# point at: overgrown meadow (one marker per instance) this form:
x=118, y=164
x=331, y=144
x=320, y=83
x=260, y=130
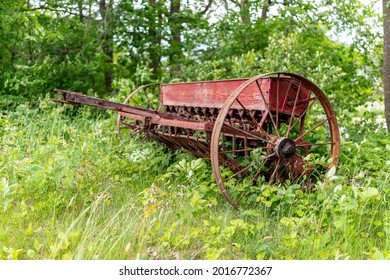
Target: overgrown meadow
x=70, y=190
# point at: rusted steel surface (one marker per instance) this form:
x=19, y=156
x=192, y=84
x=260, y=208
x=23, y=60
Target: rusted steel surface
x=210, y=94
x=284, y=92
x=262, y=130
x=213, y=94
x=141, y=114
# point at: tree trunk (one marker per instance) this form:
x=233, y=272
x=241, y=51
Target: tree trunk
x=243, y=5
x=265, y=10
x=176, y=51
x=108, y=43
x=244, y=10
x=386, y=61
x=30, y=53
x=80, y=7
x=154, y=50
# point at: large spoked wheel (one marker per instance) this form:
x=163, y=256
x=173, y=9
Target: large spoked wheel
x=147, y=100
x=275, y=128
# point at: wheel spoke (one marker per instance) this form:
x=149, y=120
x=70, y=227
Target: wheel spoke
x=240, y=150
x=285, y=98
x=290, y=168
x=273, y=173
x=293, y=110
x=310, y=130
x=302, y=125
x=136, y=103
x=263, y=118
x=245, y=147
x=302, y=115
x=297, y=167
x=239, y=199
x=234, y=144
x=267, y=107
x=314, y=144
x=250, y=183
x=253, y=119
x=294, y=177
x=246, y=168
x=228, y=127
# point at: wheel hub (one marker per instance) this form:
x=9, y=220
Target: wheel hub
x=285, y=147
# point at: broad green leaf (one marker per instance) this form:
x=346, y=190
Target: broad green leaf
x=331, y=172
x=369, y=193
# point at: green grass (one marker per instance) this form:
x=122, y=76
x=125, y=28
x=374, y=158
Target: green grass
x=69, y=190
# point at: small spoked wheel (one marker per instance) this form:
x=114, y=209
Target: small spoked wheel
x=275, y=128
x=145, y=100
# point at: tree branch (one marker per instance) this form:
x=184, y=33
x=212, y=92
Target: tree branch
x=207, y=7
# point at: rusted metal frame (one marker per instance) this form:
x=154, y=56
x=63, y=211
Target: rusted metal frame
x=188, y=145
x=198, y=139
x=188, y=124
x=263, y=118
x=133, y=116
x=183, y=142
x=238, y=151
x=183, y=127
x=128, y=98
x=234, y=144
x=131, y=126
x=203, y=147
x=164, y=140
x=78, y=98
x=169, y=141
x=205, y=94
x=179, y=142
x=230, y=163
x=135, y=112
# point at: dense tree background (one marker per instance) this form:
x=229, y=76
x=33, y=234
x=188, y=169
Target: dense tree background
x=109, y=47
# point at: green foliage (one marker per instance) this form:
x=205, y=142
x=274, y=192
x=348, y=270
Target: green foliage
x=69, y=190
x=42, y=50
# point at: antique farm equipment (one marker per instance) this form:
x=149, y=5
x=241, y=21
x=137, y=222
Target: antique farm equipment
x=270, y=129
